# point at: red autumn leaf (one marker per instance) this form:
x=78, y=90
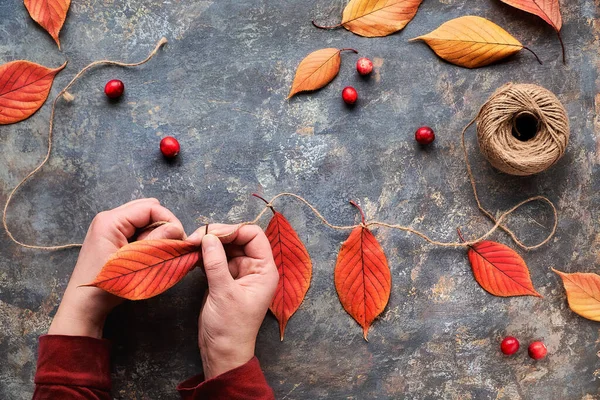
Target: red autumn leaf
x=548, y=10
x=362, y=277
x=24, y=87
x=50, y=14
x=500, y=270
x=294, y=266
x=146, y=268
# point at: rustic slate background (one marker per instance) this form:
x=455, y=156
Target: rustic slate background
x=220, y=87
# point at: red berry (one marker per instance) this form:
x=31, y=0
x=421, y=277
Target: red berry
x=114, y=89
x=509, y=345
x=350, y=95
x=424, y=135
x=537, y=350
x=169, y=146
x=364, y=66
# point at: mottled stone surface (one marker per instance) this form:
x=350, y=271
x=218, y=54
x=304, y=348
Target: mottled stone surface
x=220, y=87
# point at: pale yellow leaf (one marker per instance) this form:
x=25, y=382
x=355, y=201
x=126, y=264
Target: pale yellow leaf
x=471, y=42
x=316, y=70
x=583, y=293
x=373, y=18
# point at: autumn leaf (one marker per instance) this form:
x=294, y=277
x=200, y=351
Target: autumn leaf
x=50, y=14
x=362, y=277
x=146, y=268
x=24, y=87
x=548, y=10
x=472, y=42
x=294, y=266
x=374, y=18
x=317, y=70
x=583, y=293
x=500, y=270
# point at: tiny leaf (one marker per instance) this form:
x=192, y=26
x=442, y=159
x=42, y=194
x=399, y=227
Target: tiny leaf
x=583, y=293
x=471, y=42
x=500, y=270
x=50, y=14
x=146, y=268
x=24, y=87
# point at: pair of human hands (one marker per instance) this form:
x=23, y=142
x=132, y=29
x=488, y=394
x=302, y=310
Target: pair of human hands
x=239, y=268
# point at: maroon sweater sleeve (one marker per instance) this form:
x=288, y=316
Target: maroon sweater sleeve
x=72, y=367
x=246, y=382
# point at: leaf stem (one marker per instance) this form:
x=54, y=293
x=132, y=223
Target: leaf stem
x=462, y=239
x=562, y=45
x=266, y=202
x=532, y=52
x=362, y=214
x=349, y=49
x=325, y=27
x=206, y=230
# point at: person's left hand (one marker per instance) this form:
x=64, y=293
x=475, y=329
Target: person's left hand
x=83, y=310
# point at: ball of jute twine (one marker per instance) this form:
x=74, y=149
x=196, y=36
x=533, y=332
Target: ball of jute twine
x=522, y=129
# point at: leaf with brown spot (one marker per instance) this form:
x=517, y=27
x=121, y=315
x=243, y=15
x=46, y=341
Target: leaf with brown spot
x=472, y=42
x=583, y=293
x=50, y=14
x=24, y=87
x=146, y=268
x=317, y=70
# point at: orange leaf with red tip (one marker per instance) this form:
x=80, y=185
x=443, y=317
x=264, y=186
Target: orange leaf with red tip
x=294, y=266
x=362, y=277
x=500, y=270
x=146, y=268
x=583, y=293
x=24, y=87
x=50, y=14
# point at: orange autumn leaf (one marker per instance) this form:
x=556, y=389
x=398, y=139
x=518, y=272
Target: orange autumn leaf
x=316, y=70
x=500, y=270
x=50, y=14
x=583, y=293
x=24, y=87
x=548, y=10
x=362, y=277
x=146, y=268
x=472, y=42
x=294, y=266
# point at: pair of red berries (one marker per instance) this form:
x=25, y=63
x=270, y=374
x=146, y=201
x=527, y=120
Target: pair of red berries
x=510, y=345
x=364, y=66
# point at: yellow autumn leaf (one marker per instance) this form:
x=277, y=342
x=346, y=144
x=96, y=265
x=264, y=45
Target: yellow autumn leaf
x=583, y=293
x=472, y=42
x=317, y=70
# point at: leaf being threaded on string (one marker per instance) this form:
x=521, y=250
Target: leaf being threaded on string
x=583, y=293
x=294, y=266
x=146, y=268
x=374, y=18
x=548, y=10
x=362, y=277
x=50, y=14
x=500, y=270
x=316, y=70
x=24, y=87
x=471, y=42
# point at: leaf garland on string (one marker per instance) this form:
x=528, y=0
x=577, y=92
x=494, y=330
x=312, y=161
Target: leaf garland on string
x=583, y=293
x=548, y=10
x=293, y=264
x=376, y=18
x=50, y=14
x=24, y=87
x=317, y=70
x=362, y=277
x=146, y=268
x=500, y=270
x=472, y=42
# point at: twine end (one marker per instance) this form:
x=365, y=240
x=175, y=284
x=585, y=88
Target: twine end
x=68, y=97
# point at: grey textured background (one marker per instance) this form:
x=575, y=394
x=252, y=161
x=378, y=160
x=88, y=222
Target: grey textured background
x=219, y=86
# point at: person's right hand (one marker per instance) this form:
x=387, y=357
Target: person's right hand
x=242, y=278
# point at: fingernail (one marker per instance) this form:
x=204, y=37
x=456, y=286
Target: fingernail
x=209, y=242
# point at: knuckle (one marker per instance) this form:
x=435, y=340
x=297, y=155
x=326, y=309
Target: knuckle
x=213, y=264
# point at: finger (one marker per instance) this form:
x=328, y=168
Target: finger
x=253, y=240
x=167, y=231
x=215, y=264
x=139, y=214
x=215, y=229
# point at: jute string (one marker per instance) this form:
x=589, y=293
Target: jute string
x=498, y=221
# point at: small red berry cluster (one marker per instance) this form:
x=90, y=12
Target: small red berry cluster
x=169, y=146
x=364, y=67
x=510, y=345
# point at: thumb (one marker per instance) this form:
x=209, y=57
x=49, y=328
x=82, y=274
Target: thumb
x=215, y=263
